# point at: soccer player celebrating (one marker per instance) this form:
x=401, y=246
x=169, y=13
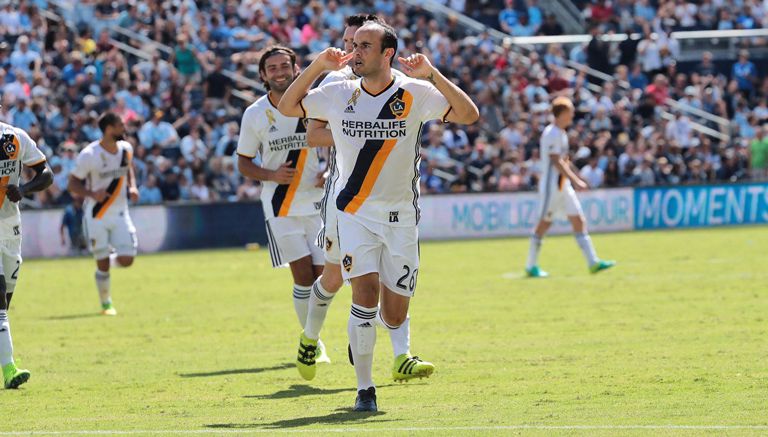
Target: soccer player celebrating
x=289, y=172
x=16, y=148
x=556, y=192
x=376, y=123
x=330, y=282
x=104, y=177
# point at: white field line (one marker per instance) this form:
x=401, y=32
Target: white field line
x=394, y=429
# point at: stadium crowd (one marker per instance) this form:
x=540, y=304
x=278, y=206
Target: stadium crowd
x=183, y=116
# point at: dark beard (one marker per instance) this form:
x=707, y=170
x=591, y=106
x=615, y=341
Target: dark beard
x=117, y=138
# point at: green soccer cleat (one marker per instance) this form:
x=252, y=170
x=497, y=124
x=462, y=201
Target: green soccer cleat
x=107, y=309
x=305, y=361
x=321, y=355
x=536, y=272
x=601, y=265
x=407, y=367
x=14, y=377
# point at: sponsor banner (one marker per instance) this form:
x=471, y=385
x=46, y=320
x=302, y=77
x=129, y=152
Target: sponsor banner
x=698, y=206
x=516, y=214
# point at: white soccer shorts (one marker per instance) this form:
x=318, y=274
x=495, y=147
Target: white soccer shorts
x=293, y=238
x=114, y=231
x=10, y=261
x=328, y=238
x=368, y=247
x=559, y=204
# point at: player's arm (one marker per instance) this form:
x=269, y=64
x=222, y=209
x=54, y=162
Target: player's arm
x=283, y=175
x=318, y=134
x=563, y=166
x=43, y=179
x=76, y=187
x=133, y=190
x=329, y=59
x=463, y=110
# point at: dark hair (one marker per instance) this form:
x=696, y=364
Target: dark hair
x=275, y=50
x=108, y=119
x=388, y=39
x=360, y=19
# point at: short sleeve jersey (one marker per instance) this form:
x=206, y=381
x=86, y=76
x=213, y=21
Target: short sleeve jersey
x=279, y=139
x=554, y=141
x=102, y=170
x=16, y=148
x=377, y=138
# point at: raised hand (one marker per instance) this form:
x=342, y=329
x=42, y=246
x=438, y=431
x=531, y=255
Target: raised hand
x=417, y=66
x=333, y=59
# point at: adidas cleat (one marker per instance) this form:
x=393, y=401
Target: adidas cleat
x=14, y=377
x=366, y=400
x=407, y=367
x=536, y=272
x=107, y=309
x=305, y=361
x=601, y=265
x=321, y=355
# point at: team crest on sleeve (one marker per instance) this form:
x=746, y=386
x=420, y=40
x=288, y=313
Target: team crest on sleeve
x=397, y=107
x=10, y=148
x=347, y=263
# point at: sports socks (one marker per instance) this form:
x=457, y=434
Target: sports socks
x=533, y=252
x=301, y=302
x=585, y=244
x=6, y=344
x=319, y=301
x=400, y=336
x=102, y=284
x=362, y=339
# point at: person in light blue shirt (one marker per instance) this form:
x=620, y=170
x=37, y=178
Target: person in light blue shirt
x=508, y=16
x=23, y=117
x=744, y=72
x=149, y=193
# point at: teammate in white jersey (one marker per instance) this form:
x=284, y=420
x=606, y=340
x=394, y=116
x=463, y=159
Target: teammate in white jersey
x=104, y=177
x=291, y=177
x=16, y=149
x=376, y=124
x=556, y=193
x=325, y=287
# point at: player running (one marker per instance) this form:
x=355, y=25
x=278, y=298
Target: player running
x=556, y=192
x=405, y=365
x=104, y=177
x=376, y=124
x=16, y=148
x=289, y=172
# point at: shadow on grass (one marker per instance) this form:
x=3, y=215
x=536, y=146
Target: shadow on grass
x=237, y=371
x=340, y=416
x=299, y=390
x=75, y=316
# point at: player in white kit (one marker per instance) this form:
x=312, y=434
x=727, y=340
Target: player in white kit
x=376, y=124
x=104, y=177
x=16, y=149
x=290, y=174
x=328, y=284
x=556, y=193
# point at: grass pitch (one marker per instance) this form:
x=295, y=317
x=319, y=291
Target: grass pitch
x=675, y=335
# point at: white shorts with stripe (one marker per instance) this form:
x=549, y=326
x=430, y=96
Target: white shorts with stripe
x=293, y=238
x=557, y=204
x=371, y=247
x=113, y=231
x=10, y=261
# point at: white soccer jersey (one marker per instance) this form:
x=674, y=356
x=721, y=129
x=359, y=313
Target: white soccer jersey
x=554, y=141
x=280, y=139
x=103, y=170
x=16, y=148
x=378, y=140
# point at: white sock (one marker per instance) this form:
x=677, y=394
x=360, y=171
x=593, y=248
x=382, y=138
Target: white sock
x=362, y=339
x=301, y=302
x=533, y=252
x=319, y=301
x=6, y=344
x=400, y=336
x=102, y=283
x=585, y=243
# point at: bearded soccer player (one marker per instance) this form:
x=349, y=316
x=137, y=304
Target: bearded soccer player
x=376, y=122
x=289, y=172
x=556, y=193
x=16, y=148
x=104, y=177
x=326, y=286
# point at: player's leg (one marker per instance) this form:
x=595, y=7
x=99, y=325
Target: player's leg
x=303, y=273
x=399, y=277
x=546, y=213
x=576, y=217
x=98, y=234
x=123, y=239
x=13, y=377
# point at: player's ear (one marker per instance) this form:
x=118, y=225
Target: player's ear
x=296, y=70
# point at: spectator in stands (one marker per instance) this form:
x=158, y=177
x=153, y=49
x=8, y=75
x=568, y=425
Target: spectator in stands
x=659, y=89
x=157, y=132
x=186, y=60
x=508, y=17
x=759, y=154
x=24, y=59
x=551, y=26
x=72, y=223
x=597, y=53
x=149, y=192
x=745, y=74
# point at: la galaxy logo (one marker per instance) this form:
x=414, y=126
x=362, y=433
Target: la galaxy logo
x=347, y=262
x=397, y=107
x=10, y=148
x=352, y=102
